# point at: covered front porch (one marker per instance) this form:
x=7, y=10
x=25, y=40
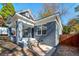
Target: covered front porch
x=24, y=31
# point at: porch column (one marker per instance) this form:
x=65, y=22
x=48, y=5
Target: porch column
x=19, y=27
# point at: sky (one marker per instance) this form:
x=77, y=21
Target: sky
x=36, y=7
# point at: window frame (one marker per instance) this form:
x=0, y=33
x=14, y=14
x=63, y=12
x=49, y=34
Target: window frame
x=41, y=30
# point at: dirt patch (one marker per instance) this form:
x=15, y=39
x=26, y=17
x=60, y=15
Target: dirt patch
x=63, y=50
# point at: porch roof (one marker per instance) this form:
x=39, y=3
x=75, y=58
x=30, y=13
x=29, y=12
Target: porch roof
x=32, y=22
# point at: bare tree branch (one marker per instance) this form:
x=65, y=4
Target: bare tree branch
x=52, y=8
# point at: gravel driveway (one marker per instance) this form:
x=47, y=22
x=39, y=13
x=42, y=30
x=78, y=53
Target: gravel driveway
x=66, y=51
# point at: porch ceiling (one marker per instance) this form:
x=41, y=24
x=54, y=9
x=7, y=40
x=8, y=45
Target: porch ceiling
x=26, y=24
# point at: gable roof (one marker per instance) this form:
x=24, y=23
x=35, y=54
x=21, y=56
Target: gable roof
x=54, y=17
x=26, y=13
x=27, y=17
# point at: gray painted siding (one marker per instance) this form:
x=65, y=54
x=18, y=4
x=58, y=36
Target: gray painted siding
x=50, y=37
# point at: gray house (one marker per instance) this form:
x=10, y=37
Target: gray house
x=46, y=30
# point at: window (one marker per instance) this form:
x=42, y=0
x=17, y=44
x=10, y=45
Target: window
x=39, y=30
x=27, y=14
x=42, y=30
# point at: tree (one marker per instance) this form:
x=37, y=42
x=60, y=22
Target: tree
x=77, y=8
x=76, y=26
x=77, y=11
x=72, y=22
x=7, y=9
x=52, y=8
x=66, y=29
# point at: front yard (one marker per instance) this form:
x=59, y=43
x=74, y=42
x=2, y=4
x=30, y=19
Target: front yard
x=63, y=50
x=69, y=45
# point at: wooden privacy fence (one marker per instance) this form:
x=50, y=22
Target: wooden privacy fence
x=69, y=39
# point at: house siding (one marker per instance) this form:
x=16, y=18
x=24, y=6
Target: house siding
x=50, y=37
x=21, y=23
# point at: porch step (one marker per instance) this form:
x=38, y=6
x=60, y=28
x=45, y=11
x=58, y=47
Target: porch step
x=43, y=50
x=27, y=52
x=37, y=51
x=40, y=49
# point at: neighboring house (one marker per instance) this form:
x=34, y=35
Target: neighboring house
x=46, y=30
x=3, y=31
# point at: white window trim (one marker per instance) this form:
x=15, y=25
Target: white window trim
x=38, y=30
x=42, y=31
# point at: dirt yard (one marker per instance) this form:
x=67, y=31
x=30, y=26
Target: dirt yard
x=69, y=45
x=63, y=50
